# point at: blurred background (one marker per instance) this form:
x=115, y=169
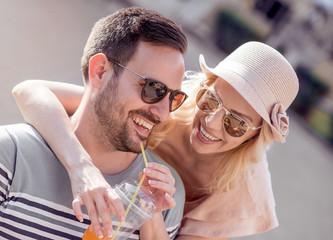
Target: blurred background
x=44, y=39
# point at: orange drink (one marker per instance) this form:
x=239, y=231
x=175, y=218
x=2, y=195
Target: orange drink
x=90, y=235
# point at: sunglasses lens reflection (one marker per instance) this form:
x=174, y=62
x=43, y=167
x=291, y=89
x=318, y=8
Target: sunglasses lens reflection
x=235, y=125
x=177, y=101
x=206, y=101
x=154, y=92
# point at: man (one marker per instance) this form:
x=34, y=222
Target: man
x=119, y=108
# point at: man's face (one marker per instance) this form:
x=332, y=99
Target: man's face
x=123, y=119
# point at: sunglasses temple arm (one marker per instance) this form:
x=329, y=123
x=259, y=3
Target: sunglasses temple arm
x=119, y=64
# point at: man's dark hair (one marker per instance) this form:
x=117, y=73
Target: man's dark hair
x=118, y=35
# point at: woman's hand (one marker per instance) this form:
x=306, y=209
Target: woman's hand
x=91, y=189
x=160, y=182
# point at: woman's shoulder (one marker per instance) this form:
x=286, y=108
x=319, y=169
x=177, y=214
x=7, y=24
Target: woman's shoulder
x=246, y=209
x=259, y=184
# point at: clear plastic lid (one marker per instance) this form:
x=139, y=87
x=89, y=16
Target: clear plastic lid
x=144, y=203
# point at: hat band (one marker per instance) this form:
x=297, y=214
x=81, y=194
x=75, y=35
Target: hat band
x=253, y=79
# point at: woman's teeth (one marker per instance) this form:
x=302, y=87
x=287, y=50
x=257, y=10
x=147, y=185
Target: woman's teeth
x=207, y=135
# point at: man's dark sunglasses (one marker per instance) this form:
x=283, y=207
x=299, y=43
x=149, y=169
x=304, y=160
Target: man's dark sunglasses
x=154, y=91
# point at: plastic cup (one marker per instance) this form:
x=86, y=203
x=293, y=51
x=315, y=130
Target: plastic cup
x=90, y=235
x=141, y=210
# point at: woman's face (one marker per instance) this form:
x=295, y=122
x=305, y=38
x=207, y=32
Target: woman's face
x=208, y=134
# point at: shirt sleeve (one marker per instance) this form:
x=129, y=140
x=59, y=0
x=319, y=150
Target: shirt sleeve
x=7, y=164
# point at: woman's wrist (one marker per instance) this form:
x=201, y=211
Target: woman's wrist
x=154, y=229
x=79, y=165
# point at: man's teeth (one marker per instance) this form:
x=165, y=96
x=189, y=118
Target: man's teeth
x=143, y=123
x=206, y=135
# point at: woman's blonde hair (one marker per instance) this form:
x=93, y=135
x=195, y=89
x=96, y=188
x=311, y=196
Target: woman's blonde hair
x=235, y=163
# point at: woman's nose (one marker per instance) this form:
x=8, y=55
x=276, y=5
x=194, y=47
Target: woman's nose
x=215, y=120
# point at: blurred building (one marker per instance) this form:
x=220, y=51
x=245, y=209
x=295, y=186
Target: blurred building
x=302, y=31
x=305, y=37
x=299, y=29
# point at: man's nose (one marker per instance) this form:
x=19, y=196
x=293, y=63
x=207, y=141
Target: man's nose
x=161, y=109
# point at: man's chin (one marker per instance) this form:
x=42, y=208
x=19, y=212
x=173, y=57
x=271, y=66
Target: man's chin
x=133, y=147
x=136, y=148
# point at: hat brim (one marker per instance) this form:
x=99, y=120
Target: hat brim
x=246, y=90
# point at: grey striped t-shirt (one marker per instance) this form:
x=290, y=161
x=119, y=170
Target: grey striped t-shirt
x=35, y=191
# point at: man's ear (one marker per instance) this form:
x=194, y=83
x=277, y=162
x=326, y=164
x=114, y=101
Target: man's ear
x=98, y=65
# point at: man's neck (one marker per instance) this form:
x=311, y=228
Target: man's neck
x=111, y=163
x=107, y=161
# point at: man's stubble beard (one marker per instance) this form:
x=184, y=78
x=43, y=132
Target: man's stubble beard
x=110, y=125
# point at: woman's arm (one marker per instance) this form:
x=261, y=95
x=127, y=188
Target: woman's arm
x=154, y=229
x=43, y=105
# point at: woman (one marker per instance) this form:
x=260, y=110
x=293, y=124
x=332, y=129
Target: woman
x=218, y=147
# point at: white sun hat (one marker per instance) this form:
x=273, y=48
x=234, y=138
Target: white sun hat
x=264, y=78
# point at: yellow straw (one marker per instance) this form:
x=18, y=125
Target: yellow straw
x=143, y=154
x=136, y=192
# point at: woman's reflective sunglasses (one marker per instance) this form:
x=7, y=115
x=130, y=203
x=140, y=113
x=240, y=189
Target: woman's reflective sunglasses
x=233, y=124
x=154, y=91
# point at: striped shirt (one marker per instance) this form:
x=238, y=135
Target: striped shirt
x=35, y=190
